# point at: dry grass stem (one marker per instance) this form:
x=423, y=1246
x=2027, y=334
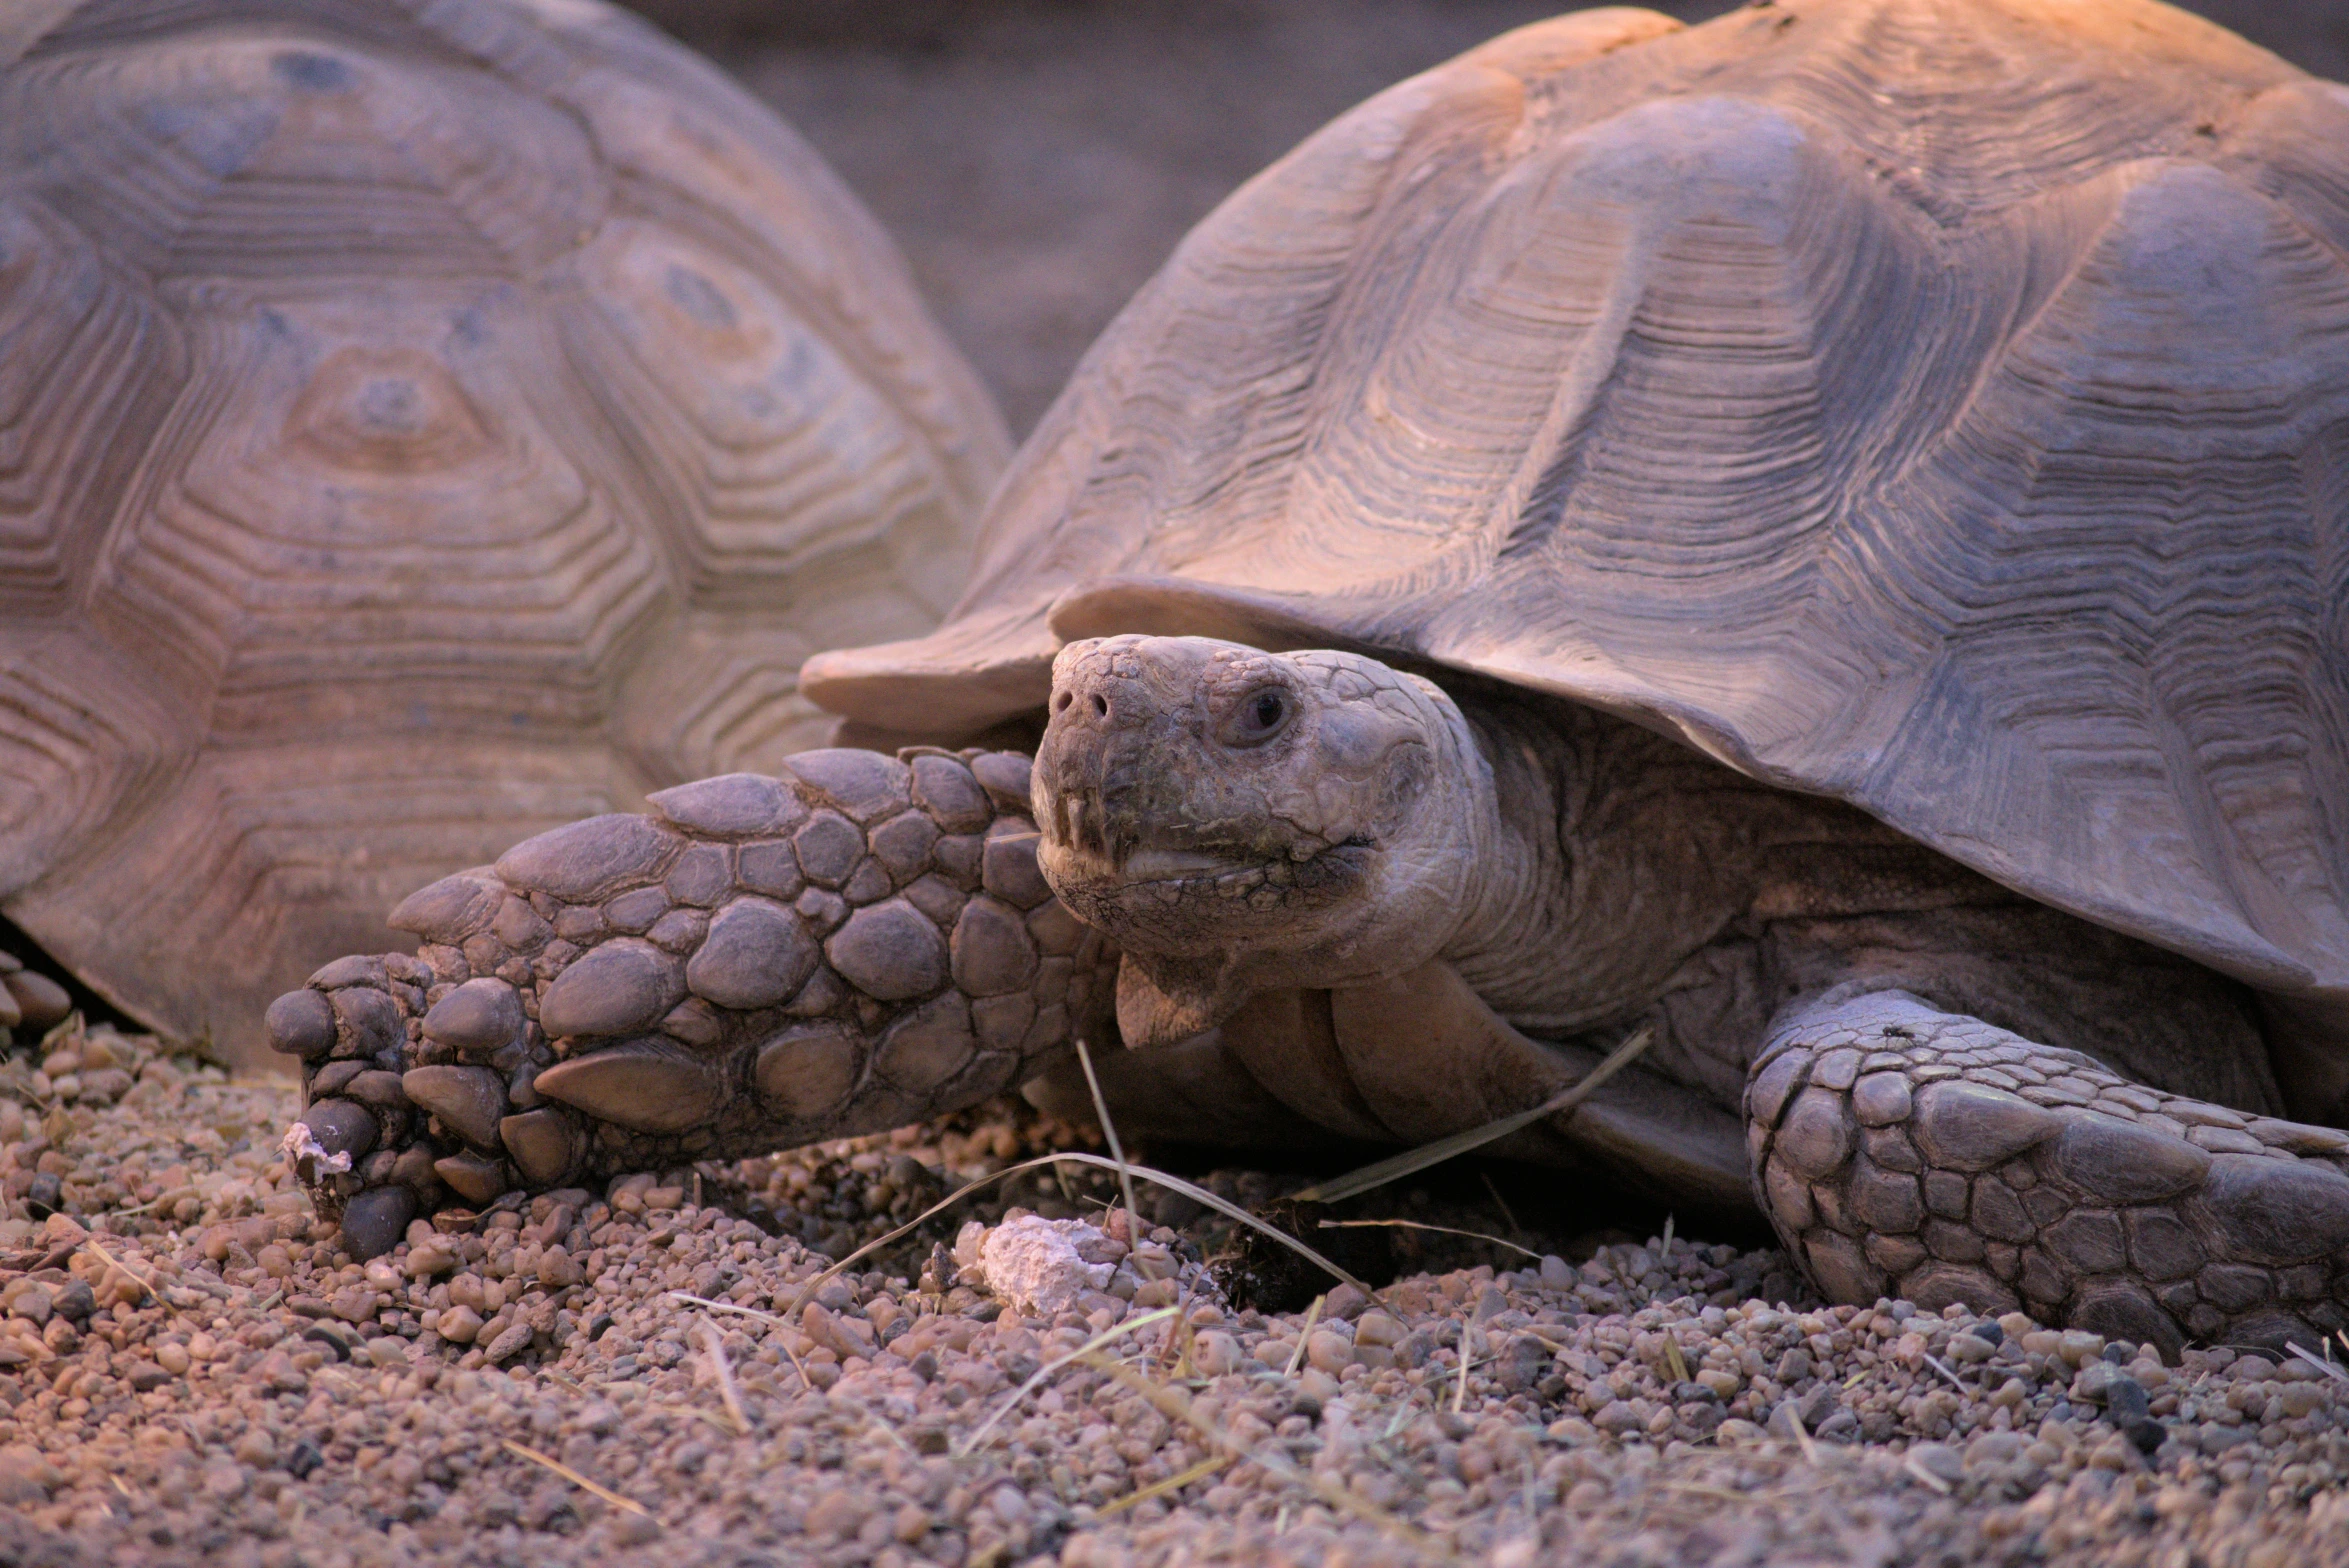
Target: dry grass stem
x=1125, y=1177
x=1469, y=1325
x=713, y=1345
x=737, y=1308
x=2325, y=1364
x=1911, y=1465
x=1802, y=1435
x=127, y=1272
x=1312, y=1316
x=1354, y=1183
x=1473, y=1235
x=1508, y=1216
x=1679, y=1362
x=576, y=1479
x=970, y=1444
x=1942, y=1367
x=751, y=1312
x=1173, y=1483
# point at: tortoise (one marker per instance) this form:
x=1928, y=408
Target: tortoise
x=1818, y=535
x=423, y=424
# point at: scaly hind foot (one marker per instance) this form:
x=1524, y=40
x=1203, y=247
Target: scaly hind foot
x=1900, y=1150
x=767, y=962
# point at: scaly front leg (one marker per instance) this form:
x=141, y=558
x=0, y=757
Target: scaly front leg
x=862, y=942
x=1901, y=1150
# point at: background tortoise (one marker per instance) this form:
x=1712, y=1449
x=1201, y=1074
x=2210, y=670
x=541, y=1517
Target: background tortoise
x=420, y=424
x=1853, y=489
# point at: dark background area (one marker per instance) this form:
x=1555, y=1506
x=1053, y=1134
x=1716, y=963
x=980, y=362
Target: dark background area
x=1037, y=159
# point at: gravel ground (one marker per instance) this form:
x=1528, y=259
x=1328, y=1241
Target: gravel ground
x=199, y=1375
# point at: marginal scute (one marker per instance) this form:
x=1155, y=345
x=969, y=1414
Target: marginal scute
x=756, y=954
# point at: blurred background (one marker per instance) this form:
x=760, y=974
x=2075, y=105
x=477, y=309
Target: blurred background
x=1037, y=159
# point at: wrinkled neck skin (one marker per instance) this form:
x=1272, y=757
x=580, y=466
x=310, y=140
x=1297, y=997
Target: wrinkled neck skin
x=1613, y=854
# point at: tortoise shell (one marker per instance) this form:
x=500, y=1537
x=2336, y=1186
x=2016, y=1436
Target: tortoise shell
x=421, y=424
x=1940, y=405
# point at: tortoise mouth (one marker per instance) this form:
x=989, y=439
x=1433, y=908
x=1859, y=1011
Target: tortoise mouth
x=1155, y=876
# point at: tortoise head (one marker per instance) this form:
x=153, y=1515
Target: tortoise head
x=1243, y=821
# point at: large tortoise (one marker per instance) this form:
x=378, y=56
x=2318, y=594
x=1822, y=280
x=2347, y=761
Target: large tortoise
x=420, y=424
x=1825, y=537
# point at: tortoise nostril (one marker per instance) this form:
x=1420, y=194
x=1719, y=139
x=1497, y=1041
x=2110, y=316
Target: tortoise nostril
x=1062, y=705
x=1101, y=705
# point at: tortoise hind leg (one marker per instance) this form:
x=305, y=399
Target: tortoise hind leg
x=857, y=944
x=1901, y=1150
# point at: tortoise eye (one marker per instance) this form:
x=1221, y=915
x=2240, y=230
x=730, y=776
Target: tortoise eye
x=1259, y=716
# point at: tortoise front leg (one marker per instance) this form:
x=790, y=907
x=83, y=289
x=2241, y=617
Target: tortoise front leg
x=1900, y=1150
x=859, y=943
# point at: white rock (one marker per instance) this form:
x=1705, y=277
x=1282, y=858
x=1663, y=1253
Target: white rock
x=1033, y=1263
